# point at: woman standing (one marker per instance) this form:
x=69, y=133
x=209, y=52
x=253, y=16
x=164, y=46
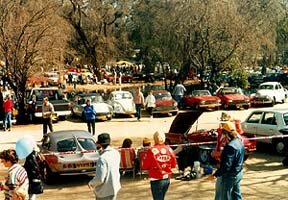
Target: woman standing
x=150, y=103
x=8, y=106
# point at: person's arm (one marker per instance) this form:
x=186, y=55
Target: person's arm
x=101, y=173
x=227, y=158
x=173, y=158
x=147, y=160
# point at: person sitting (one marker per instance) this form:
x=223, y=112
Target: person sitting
x=127, y=143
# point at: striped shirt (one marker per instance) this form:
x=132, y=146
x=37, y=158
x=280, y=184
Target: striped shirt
x=17, y=180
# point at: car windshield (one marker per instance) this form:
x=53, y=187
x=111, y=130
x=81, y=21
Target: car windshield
x=66, y=145
x=285, y=118
x=95, y=99
x=201, y=93
x=87, y=143
x=119, y=96
x=51, y=94
x=266, y=87
x=163, y=96
x=232, y=91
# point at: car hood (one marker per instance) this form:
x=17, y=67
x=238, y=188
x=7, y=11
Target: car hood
x=161, y=102
x=184, y=121
x=102, y=107
x=235, y=96
x=206, y=98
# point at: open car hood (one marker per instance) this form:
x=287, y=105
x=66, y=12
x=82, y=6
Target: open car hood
x=184, y=121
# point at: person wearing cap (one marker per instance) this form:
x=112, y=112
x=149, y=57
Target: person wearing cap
x=106, y=182
x=229, y=174
x=47, y=111
x=159, y=161
x=16, y=183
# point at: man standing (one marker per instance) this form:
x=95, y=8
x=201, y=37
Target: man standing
x=139, y=102
x=106, y=182
x=47, y=111
x=159, y=161
x=8, y=106
x=231, y=165
x=178, y=92
x=90, y=116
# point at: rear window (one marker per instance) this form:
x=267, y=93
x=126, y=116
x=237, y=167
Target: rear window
x=285, y=118
x=87, y=143
x=51, y=94
x=66, y=145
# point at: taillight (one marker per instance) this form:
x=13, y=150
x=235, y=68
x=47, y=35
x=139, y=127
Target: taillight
x=36, y=108
x=69, y=106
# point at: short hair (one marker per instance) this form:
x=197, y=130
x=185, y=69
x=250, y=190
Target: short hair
x=45, y=99
x=159, y=137
x=127, y=143
x=9, y=155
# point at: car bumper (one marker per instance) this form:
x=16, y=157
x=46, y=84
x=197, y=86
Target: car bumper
x=164, y=111
x=209, y=106
x=58, y=113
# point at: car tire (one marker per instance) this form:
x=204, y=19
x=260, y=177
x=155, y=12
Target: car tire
x=204, y=156
x=196, y=106
x=280, y=146
x=246, y=107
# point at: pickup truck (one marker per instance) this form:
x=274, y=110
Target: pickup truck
x=61, y=105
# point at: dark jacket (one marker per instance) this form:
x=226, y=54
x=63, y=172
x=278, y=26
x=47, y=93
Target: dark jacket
x=231, y=159
x=33, y=171
x=89, y=113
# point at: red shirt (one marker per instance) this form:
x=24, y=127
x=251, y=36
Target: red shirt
x=8, y=105
x=159, y=161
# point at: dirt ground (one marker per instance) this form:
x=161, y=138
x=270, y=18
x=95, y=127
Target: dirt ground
x=264, y=175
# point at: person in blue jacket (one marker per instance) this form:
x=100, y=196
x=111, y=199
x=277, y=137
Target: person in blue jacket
x=90, y=116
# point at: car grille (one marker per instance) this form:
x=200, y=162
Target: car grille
x=211, y=102
x=164, y=108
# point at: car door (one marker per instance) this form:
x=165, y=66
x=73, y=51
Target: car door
x=281, y=92
x=268, y=126
x=251, y=124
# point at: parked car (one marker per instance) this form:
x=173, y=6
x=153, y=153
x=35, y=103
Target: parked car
x=200, y=99
x=165, y=104
x=268, y=122
x=122, y=103
x=179, y=133
x=62, y=107
x=103, y=110
x=273, y=91
x=69, y=152
x=233, y=97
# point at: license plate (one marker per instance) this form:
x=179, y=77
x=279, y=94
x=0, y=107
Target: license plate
x=101, y=117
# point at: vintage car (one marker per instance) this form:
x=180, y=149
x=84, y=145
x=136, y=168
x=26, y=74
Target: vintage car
x=273, y=92
x=233, y=97
x=200, y=99
x=122, y=103
x=179, y=133
x=165, y=104
x=69, y=152
x=266, y=123
x=103, y=110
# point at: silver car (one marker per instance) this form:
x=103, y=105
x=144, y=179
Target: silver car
x=103, y=110
x=268, y=122
x=70, y=152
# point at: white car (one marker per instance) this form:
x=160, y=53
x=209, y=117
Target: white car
x=122, y=103
x=274, y=90
x=268, y=122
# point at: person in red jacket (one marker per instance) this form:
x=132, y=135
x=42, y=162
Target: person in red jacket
x=159, y=161
x=8, y=106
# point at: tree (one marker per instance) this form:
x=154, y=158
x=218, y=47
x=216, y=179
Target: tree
x=28, y=36
x=96, y=30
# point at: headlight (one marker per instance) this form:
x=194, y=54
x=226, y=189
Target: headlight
x=229, y=100
x=202, y=102
x=219, y=101
x=175, y=104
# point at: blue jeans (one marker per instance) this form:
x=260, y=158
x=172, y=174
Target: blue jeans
x=159, y=188
x=229, y=187
x=138, y=110
x=7, y=120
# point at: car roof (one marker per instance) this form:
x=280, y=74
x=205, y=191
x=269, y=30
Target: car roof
x=60, y=135
x=270, y=83
x=279, y=110
x=88, y=94
x=122, y=91
x=183, y=121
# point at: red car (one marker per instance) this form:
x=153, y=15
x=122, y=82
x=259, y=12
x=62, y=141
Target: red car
x=233, y=97
x=165, y=104
x=179, y=133
x=200, y=99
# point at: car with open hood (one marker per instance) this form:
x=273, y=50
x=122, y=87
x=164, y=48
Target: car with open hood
x=103, y=110
x=200, y=99
x=69, y=152
x=179, y=133
x=233, y=97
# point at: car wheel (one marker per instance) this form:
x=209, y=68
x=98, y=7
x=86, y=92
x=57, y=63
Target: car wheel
x=279, y=146
x=48, y=176
x=196, y=107
x=225, y=106
x=204, y=156
x=246, y=107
